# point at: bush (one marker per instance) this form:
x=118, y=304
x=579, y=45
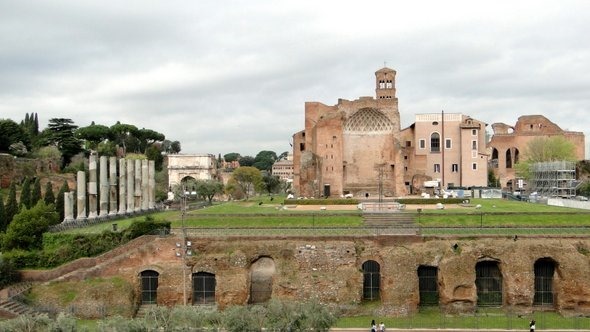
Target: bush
x=148, y=226
x=8, y=274
x=329, y=201
x=425, y=201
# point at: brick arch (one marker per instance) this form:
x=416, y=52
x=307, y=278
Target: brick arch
x=262, y=271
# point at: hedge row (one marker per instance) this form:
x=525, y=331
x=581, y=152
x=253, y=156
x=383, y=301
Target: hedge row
x=60, y=248
x=329, y=201
x=426, y=201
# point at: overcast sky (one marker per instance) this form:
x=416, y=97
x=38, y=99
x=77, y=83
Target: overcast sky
x=233, y=76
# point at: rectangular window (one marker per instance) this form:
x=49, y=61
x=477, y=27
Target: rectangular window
x=436, y=168
x=448, y=143
x=473, y=145
x=408, y=144
x=422, y=144
x=455, y=168
x=474, y=132
x=474, y=166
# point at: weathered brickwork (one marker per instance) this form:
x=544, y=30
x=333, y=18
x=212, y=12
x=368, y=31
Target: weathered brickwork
x=330, y=269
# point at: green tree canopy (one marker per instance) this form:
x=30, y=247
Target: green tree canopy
x=147, y=137
x=59, y=200
x=94, y=134
x=122, y=132
x=207, y=189
x=26, y=229
x=232, y=156
x=36, y=191
x=246, y=161
x=11, y=208
x=270, y=182
x=545, y=149
x=49, y=197
x=11, y=133
x=2, y=214
x=247, y=178
x=264, y=160
x=25, y=194
x=60, y=132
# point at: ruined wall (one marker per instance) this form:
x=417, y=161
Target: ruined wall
x=330, y=269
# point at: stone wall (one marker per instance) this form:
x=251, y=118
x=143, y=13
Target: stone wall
x=330, y=269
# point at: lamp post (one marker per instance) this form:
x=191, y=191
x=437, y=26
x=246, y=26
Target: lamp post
x=183, y=249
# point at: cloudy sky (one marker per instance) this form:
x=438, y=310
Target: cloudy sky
x=233, y=76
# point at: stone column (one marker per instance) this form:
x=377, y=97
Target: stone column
x=122, y=186
x=68, y=206
x=137, y=186
x=104, y=187
x=81, y=195
x=92, y=188
x=130, y=186
x=112, y=186
x=144, y=185
x=152, y=185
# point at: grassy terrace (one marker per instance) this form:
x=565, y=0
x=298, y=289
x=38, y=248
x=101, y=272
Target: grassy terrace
x=261, y=215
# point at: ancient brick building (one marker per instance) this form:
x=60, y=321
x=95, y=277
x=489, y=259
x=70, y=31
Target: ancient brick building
x=509, y=142
x=357, y=147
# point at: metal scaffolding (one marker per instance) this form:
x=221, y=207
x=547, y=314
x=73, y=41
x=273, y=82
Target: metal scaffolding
x=554, y=179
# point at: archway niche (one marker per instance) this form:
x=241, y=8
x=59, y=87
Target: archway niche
x=428, y=285
x=544, y=272
x=262, y=272
x=488, y=281
x=149, y=286
x=371, y=280
x=204, y=288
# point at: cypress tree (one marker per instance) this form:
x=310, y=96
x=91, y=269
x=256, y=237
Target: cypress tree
x=36, y=192
x=36, y=125
x=25, y=194
x=11, y=205
x=49, y=197
x=59, y=200
x=3, y=221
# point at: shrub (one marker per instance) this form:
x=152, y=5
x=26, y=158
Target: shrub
x=329, y=201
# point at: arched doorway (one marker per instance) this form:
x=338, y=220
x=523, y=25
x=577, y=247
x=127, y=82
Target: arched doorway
x=488, y=281
x=149, y=286
x=261, y=279
x=544, y=272
x=203, y=288
x=371, y=280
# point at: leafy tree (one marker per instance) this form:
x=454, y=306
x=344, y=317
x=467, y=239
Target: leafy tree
x=175, y=147
x=264, y=160
x=545, y=149
x=153, y=153
x=207, y=189
x=36, y=192
x=147, y=137
x=247, y=178
x=94, y=134
x=2, y=214
x=283, y=155
x=107, y=148
x=26, y=229
x=232, y=156
x=60, y=132
x=246, y=161
x=11, y=206
x=8, y=273
x=49, y=197
x=122, y=133
x=11, y=133
x=30, y=127
x=59, y=200
x=270, y=183
x=25, y=194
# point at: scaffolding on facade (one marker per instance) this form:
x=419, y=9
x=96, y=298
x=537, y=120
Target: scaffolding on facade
x=554, y=179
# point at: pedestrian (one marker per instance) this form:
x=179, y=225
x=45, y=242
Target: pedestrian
x=532, y=326
x=381, y=327
x=373, y=326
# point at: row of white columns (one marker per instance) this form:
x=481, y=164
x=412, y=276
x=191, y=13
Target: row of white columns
x=136, y=189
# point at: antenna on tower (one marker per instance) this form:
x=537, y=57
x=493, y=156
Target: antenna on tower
x=384, y=63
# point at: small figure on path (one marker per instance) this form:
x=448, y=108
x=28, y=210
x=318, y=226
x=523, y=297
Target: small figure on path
x=532, y=326
x=373, y=326
x=381, y=327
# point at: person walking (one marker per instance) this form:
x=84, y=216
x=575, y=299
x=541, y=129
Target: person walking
x=381, y=327
x=373, y=326
x=532, y=326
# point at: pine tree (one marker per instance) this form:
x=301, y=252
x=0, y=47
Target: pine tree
x=36, y=192
x=25, y=194
x=59, y=200
x=11, y=205
x=3, y=221
x=49, y=197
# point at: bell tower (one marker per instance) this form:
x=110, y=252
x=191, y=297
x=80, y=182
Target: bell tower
x=385, y=83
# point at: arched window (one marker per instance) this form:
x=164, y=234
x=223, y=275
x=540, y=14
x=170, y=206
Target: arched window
x=494, y=161
x=435, y=142
x=544, y=271
x=149, y=286
x=203, y=288
x=516, y=155
x=371, y=280
x=428, y=285
x=508, y=159
x=488, y=281
x=261, y=275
